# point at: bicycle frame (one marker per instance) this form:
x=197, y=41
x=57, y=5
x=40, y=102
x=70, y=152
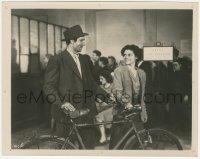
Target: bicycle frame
x=76, y=126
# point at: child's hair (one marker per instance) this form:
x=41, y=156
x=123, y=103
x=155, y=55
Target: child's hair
x=108, y=77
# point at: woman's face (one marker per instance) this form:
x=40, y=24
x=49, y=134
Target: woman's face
x=129, y=57
x=102, y=80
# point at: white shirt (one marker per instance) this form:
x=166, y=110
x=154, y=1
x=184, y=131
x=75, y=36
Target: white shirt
x=77, y=61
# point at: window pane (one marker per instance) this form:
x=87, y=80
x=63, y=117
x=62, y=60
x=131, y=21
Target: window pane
x=14, y=45
x=43, y=42
x=34, y=36
x=15, y=37
x=24, y=36
x=24, y=63
x=58, y=38
x=50, y=39
x=63, y=42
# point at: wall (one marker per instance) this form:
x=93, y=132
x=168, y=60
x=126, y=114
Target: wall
x=110, y=30
x=175, y=26
x=143, y=27
x=115, y=29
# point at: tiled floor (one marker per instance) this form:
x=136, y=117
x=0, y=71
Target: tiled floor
x=22, y=135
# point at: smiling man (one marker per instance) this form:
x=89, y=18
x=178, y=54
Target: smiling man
x=69, y=71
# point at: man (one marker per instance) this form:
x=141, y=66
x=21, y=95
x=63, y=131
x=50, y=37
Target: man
x=146, y=66
x=95, y=56
x=69, y=85
x=103, y=62
x=112, y=64
x=180, y=84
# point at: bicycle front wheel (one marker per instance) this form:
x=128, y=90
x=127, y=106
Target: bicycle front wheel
x=46, y=142
x=154, y=139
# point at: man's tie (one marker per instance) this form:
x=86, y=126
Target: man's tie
x=78, y=63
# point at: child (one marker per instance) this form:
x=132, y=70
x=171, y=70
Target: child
x=105, y=110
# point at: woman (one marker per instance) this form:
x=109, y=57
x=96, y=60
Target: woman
x=128, y=88
x=105, y=111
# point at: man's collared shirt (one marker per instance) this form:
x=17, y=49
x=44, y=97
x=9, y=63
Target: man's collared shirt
x=76, y=59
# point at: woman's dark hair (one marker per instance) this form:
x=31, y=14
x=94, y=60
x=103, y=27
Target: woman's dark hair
x=104, y=60
x=97, y=52
x=135, y=49
x=106, y=74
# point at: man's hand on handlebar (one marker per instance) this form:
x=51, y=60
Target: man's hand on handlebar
x=67, y=108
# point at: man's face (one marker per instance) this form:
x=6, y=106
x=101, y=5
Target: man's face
x=176, y=66
x=78, y=44
x=129, y=57
x=94, y=57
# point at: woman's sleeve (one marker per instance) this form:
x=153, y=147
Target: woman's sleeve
x=118, y=88
x=117, y=85
x=143, y=90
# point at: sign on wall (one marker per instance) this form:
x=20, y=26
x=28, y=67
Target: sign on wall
x=158, y=53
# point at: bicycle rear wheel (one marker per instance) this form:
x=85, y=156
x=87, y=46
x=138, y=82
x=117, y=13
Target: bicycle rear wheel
x=155, y=139
x=46, y=142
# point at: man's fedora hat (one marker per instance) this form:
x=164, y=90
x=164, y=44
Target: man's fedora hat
x=73, y=32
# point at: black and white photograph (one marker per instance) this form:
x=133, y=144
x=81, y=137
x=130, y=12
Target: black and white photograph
x=94, y=77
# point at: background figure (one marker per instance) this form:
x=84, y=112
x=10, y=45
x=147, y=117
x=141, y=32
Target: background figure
x=46, y=112
x=146, y=66
x=175, y=57
x=128, y=88
x=105, y=111
x=103, y=64
x=161, y=86
x=180, y=107
x=14, y=66
x=112, y=64
x=95, y=55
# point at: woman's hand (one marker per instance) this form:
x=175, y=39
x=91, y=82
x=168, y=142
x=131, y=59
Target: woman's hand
x=143, y=115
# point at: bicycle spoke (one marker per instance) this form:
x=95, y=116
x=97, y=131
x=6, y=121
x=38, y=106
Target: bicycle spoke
x=155, y=139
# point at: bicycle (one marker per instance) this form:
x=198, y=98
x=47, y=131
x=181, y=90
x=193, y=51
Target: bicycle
x=146, y=139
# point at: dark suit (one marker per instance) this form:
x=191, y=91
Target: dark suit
x=147, y=68
x=64, y=82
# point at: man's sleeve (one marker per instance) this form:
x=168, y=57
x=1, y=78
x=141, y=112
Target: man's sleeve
x=51, y=82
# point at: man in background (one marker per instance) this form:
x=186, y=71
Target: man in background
x=95, y=56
